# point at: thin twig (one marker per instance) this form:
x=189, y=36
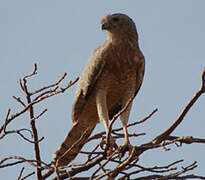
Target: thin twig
x=103, y=165
x=88, y=166
x=37, y=117
x=114, y=172
x=19, y=100
x=186, y=139
x=32, y=123
x=99, y=135
x=6, y=120
x=96, y=158
x=31, y=74
x=166, y=133
x=20, y=159
x=50, y=86
x=28, y=175
x=21, y=173
x=37, y=101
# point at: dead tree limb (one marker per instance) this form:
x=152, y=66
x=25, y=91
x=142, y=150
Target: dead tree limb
x=166, y=133
x=96, y=161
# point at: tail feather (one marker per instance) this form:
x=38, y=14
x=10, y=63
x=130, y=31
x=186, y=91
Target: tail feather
x=72, y=144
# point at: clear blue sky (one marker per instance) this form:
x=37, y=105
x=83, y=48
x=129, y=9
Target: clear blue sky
x=60, y=35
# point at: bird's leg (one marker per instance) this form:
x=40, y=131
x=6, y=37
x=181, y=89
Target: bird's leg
x=103, y=116
x=124, y=119
x=112, y=143
x=127, y=141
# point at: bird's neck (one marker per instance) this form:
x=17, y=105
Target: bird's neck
x=124, y=41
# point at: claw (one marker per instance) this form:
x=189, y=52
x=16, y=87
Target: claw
x=112, y=145
x=124, y=149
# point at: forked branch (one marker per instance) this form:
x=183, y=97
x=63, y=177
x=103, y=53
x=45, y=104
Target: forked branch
x=96, y=161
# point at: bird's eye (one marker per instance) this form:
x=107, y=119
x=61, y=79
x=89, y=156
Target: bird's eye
x=115, y=19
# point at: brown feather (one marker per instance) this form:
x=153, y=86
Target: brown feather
x=112, y=71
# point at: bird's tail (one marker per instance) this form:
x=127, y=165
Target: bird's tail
x=72, y=144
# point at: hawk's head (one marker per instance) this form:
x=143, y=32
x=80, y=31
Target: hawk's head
x=118, y=25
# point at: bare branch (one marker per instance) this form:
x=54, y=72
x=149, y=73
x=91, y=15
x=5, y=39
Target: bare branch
x=28, y=175
x=20, y=174
x=186, y=139
x=50, y=86
x=20, y=159
x=166, y=133
x=44, y=111
x=140, y=121
x=113, y=173
x=19, y=100
x=88, y=166
x=49, y=173
x=19, y=131
x=96, y=160
x=203, y=81
x=32, y=123
x=10, y=164
x=99, y=135
x=118, y=136
x=35, y=102
x=102, y=166
x=31, y=74
x=3, y=128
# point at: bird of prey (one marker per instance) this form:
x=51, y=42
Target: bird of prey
x=113, y=75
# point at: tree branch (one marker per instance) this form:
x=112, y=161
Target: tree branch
x=166, y=133
x=32, y=123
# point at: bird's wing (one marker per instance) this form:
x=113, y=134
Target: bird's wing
x=140, y=70
x=90, y=75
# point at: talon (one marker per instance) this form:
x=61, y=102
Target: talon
x=124, y=149
x=113, y=145
x=109, y=152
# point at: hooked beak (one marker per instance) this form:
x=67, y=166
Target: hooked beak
x=105, y=26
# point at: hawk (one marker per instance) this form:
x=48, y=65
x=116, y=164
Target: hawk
x=112, y=76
